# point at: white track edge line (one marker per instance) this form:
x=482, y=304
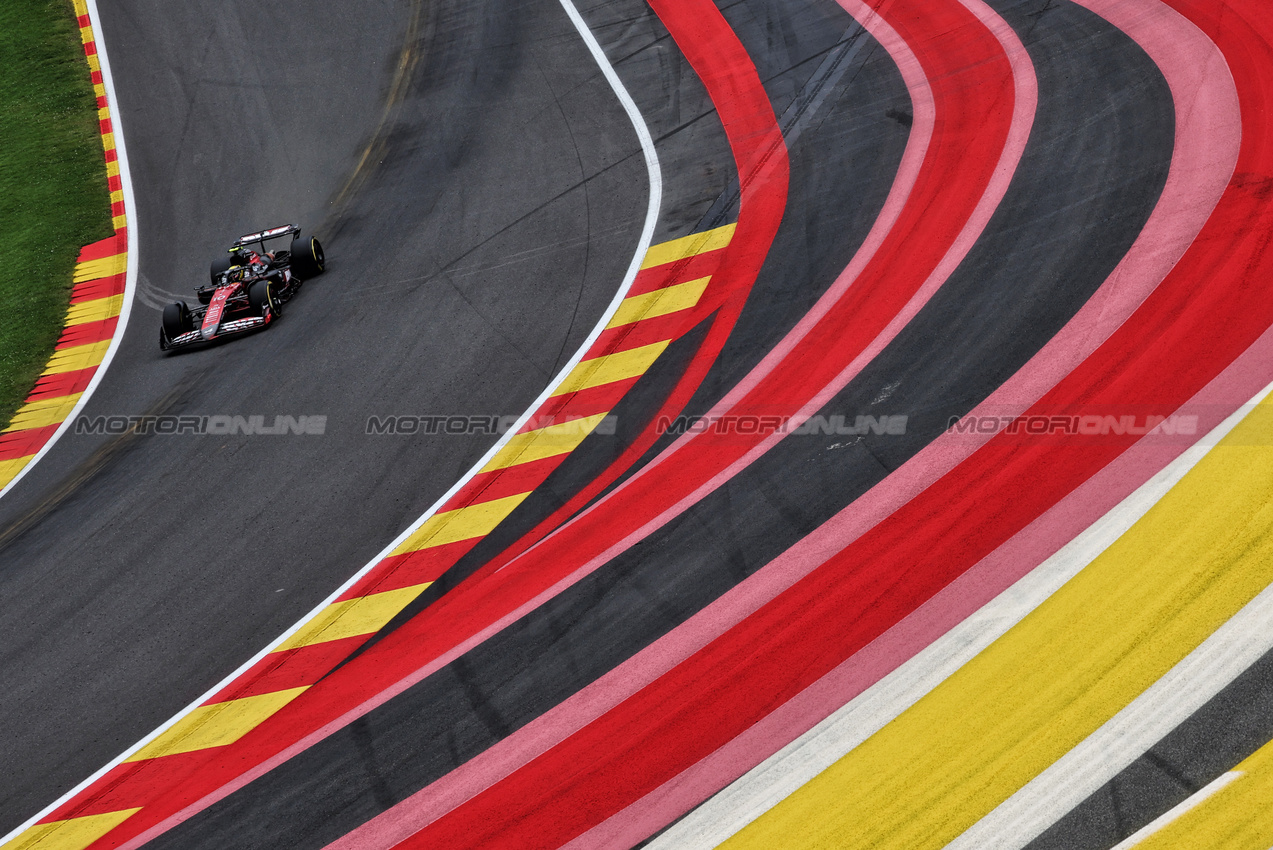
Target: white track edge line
x=1169, y=817
x=130, y=287
x=1183, y=690
x=647, y=234
x=130, y=280
x=772, y=781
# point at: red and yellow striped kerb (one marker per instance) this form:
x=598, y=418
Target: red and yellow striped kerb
x=96, y=302
x=660, y=307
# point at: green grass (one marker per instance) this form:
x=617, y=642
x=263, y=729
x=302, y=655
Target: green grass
x=53, y=193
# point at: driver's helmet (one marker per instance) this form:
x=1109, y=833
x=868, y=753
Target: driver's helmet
x=240, y=256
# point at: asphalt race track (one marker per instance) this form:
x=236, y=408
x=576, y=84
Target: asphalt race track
x=244, y=536
x=893, y=466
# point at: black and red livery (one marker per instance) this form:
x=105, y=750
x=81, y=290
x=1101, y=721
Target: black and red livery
x=248, y=289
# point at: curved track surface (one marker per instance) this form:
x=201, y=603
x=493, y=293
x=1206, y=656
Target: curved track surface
x=139, y=571
x=882, y=546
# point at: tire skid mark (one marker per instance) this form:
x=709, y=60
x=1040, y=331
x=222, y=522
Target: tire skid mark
x=1215, y=132
x=865, y=303
x=1203, y=162
x=533, y=808
x=514, y=751
x=461, y=518
x=180, y=750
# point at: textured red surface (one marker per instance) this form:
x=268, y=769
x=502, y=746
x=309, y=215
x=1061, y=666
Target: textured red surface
x=1180, y=339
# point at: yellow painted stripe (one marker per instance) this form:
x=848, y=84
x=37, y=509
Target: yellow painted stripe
x=95, y=310
x=353, y=617
x=100, y=91
x=70, y=834
x=545, y=442
x=611, y=368
x=112, y=167
x=104, y=267
x=93, y=64
x=1240, y=816
x=76, y=357
x=1160, y=590
x=216, y=725
x=119, y=222
x=108, y=141
x=43, y=412
x=688, y=246
x=117, y=196
x=9, y=469
x=660, y=302
x=461, y=524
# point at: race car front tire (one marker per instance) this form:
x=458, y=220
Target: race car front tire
x=261, y=295
x=177, y=320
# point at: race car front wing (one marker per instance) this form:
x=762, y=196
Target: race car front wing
x=231, y=327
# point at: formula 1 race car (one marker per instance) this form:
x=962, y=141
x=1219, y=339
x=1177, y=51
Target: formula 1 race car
x=248, y=289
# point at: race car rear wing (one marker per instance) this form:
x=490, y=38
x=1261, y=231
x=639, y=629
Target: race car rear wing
x=264, y=235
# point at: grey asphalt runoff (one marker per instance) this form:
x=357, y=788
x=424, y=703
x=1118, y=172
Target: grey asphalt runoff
x=1092, y=172
x=479, y=208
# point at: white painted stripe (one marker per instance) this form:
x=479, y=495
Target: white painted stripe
x=130, y=281
x=1126, y=736
x=130, y=287
x=779, y=776
x=1170, y=817
x=655, y=176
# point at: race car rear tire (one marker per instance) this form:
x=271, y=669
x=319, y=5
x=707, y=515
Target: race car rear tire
x=220, y=266
x=307, y=257
x=177, y=320
x=261, y=294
